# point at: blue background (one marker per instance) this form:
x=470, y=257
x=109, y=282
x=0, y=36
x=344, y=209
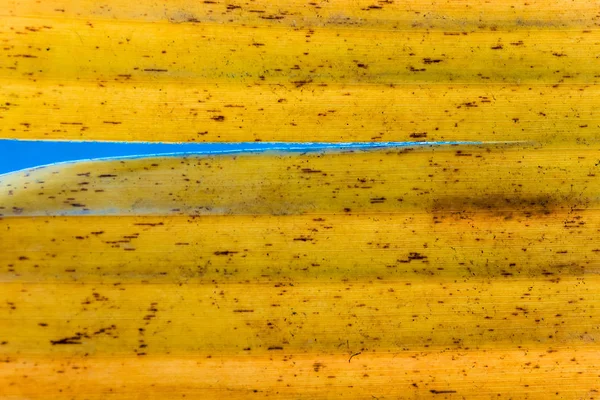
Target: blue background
x=21, y=154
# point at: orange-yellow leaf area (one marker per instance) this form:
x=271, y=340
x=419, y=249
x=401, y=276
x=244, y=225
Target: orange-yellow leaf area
x=454, y=272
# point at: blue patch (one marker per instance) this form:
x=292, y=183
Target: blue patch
x=17, y=155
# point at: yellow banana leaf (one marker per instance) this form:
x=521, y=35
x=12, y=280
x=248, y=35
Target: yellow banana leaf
x=444, y=271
